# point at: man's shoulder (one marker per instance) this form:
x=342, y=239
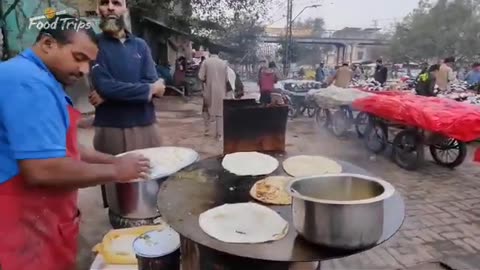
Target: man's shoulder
x=10, y=70
x=140, y=41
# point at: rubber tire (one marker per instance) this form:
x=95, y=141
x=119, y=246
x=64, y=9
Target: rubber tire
x=358, y=123
x=414, y=164
x=370, y=128
x=344, y=114
x=327, y=120
x=311, y=111
x=459, y=160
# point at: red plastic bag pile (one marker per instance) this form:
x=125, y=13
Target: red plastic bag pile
x=448, y=117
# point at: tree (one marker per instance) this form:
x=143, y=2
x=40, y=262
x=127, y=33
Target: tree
x=204, y=16
x=432, y=32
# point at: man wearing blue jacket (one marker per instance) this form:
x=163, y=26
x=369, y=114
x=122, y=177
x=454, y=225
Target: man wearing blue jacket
x=125, y=81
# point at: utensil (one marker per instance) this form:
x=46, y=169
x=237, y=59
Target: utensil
x=158, y=250
x=344, y=211
x=137, y=199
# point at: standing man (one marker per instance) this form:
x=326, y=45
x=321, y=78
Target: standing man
x=426, y=82
x=343, y=76
x=42, y=165
x=473, y=76
x=268, y=79
x=125, y=80
x=214, y=73
x=445, y=74
x=320, y=73
x=381, y=72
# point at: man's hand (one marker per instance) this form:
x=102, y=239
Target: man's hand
x=131, y=167
x=158, y=88
x=95, y=99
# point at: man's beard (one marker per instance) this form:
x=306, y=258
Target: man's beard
x=112, y=26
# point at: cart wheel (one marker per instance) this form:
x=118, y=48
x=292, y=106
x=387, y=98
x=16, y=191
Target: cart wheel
x=311, y=111
x=450, y=153
x=375, y=136
x=322, y=117
x=361, y=123
x=340, y=122
x=408, y=150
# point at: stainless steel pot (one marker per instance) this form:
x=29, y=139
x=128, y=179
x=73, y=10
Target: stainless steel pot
x=339, y=210
x=135, y=200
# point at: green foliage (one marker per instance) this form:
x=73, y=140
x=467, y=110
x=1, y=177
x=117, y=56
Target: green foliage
x=447, y=28
x=309, y=54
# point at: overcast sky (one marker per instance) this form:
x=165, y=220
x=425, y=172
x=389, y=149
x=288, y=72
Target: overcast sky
x=347, y=13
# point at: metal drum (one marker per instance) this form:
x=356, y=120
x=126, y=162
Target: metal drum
x=134, y=200
x=343, y=211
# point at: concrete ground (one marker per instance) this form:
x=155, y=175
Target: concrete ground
x=443, y=206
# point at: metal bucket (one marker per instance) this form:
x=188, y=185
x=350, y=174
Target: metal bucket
x=135, y=200
x=158, y=250
x=340, y=210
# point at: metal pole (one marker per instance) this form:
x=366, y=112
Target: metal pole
x=288, y=32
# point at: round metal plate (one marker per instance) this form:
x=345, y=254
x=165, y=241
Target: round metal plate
x=205, y=185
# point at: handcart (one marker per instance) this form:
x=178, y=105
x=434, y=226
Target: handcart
x=408, y=144
x=408, y=123
x=297, y=91
x=338, y=115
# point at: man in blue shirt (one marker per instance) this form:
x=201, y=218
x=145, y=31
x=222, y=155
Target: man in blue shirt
x=125, y=80
x=473, y=77
x=42, y=165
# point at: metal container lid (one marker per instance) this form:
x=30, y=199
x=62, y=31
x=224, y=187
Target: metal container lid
x=157, y=243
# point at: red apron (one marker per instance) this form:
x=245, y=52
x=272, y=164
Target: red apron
x=39, y=226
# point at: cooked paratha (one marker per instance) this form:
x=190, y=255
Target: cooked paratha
x=304, y=166
x=271, y=190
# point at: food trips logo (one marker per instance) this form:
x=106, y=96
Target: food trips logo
x=50, y=20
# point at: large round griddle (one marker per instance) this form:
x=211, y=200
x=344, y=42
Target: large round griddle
x=205, y=185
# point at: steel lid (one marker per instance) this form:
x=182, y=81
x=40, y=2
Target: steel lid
x=157, y=243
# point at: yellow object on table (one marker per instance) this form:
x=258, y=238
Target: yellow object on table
x=117, y=245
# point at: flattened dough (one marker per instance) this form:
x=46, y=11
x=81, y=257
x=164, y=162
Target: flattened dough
x=304, y=166
x=243, y=223
x=272, y=190
x=166, y=160
x=249, y=163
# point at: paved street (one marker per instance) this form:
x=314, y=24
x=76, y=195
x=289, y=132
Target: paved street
x=443, y=206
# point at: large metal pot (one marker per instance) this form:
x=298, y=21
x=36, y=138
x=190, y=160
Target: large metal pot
x=135, y=200
x=340, y=211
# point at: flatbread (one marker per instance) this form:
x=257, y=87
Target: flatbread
x=243, y=223
x=272, y=190
x=166, y=161
x=249, y=163
x=303, y=166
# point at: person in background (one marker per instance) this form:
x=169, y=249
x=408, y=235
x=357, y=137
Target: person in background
x=125, y=81
x=164, y=72
x=357, y=73
x=263, y=64
x=445, y=74
x=426, y=82
x=473, y=77
x=424, y=69
x=320, y=73
x=268, y=79
x=381, y=72
x=343, y=77
x=43, y=166
x=214, y=73
x=179, y=74
x=301, y=73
